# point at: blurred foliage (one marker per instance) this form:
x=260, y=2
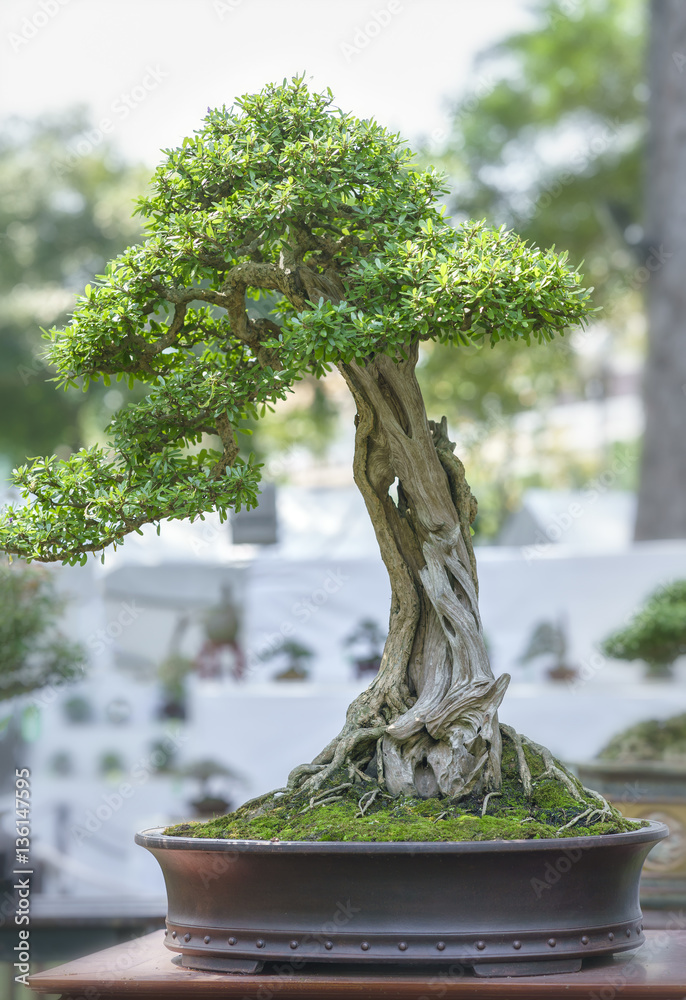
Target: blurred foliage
x=657, y=632
x=554, y=146
x=111, y=765
x=62, y=216
x=309, y=420
x=172, y=674
x=78, y=710
x=33, y=652
x=655, y=739
x=549, y=142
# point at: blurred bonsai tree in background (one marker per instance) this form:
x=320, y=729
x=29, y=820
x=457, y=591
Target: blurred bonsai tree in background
x=656, y=634
x=296, y=658
x=33, y=651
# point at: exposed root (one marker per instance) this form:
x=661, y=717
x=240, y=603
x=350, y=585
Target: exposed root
x=552, y=770
x=379, y=763
x=524, y=771
x=605, y=807
x=300, y=772
x=260, y=799
x=325, y=802
x=328, y=795
x=308, y=779
x=487, y=797
x=366, y=801
x=353, y=770
x=589, y=815
x=332, y=791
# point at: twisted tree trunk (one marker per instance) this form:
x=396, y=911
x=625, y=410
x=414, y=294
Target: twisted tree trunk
x=430, y=715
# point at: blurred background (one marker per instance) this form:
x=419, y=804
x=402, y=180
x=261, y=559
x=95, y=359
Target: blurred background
x=190, y=672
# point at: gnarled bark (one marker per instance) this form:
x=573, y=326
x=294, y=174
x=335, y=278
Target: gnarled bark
x=430, y=715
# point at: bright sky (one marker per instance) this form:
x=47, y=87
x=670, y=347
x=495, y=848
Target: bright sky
x=150, y=68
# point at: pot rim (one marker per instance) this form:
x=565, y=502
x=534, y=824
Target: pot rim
x=154, y=838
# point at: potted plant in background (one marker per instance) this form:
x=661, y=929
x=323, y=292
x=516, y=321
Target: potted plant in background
x=655, y=634
x=430, y=816
x=297, y=657
x=550, y=639
x=207, y=801
x=642, y=771
x=366, y=642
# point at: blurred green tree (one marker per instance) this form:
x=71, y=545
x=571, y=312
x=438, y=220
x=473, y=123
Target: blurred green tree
x=65, y=209
x=554, y=146
x=33, y=652
x=549, y=142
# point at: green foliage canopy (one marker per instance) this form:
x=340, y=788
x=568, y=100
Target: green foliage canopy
x=281, y=194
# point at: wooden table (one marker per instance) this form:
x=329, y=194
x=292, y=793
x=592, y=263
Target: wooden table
x=143, y=968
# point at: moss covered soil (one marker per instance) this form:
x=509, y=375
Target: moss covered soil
x=357, y=814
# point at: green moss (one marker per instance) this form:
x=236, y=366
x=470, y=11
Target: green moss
x=397, y=820
x=551, y=794
x=509, y=815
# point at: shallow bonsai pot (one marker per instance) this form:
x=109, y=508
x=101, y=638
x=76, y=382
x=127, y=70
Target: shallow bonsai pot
x=501, y=907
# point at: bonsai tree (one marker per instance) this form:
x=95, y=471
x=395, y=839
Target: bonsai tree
x=367, y=642
x=656, y=634
x=284, y=196
x=207, y=800
x=33, y=652
x=297, y=657
x=550, y=639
